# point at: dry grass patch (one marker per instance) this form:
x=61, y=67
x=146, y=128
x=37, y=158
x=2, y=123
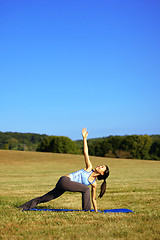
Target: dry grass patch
x=133, y=184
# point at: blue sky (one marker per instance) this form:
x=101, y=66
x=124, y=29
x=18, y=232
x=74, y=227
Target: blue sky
x=70, y=64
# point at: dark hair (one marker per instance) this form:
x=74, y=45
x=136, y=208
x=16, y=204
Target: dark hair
x=104, y=184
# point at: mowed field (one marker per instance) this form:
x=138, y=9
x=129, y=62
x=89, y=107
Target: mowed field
x=132, y=184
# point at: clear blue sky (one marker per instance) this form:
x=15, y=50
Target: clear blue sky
x=70, y=64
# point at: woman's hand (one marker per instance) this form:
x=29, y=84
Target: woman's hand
x=84, y=133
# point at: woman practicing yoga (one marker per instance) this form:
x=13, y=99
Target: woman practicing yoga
x=77, y=182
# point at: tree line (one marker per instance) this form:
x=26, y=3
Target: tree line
x=129, y=146
x=20, y=141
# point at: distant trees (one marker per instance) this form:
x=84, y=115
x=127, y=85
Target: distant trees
x=20, y=141
x=130, y=146
x=58, y=145
x=138, y=146
x=155, y=150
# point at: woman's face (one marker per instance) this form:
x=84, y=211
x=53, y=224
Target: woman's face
x=101, y=169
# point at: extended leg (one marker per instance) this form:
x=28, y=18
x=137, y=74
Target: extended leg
x=55, y=193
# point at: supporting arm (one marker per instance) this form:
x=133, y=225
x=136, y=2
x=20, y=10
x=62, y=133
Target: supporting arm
x=93, y=192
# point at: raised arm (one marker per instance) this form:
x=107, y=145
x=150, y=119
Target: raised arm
x=86, y=156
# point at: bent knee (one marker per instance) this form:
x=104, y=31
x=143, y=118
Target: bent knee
x=87, y=190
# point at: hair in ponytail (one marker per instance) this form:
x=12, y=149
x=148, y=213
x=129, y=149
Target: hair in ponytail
x=103, y=189
x=104, y=184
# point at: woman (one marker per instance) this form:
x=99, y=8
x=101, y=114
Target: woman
x=77, y=182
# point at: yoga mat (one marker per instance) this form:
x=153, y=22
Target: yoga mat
x=124, y=210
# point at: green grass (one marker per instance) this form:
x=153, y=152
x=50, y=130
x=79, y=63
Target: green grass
x=133, y=184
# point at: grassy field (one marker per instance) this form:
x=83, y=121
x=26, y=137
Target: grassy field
x=133, y=184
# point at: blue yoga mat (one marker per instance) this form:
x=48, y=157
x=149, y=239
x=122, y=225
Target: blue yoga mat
x=124, y=210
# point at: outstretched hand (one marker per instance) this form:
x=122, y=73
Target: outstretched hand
x=84, y=133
